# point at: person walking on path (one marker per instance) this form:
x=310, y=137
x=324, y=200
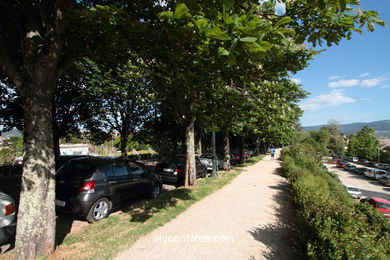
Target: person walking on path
x=250, y=218
x=272, y=151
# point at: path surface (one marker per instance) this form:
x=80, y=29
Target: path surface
x=249, y=218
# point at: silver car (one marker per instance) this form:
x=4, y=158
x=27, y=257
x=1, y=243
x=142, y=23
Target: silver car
x=7, y=217
x=207, y=160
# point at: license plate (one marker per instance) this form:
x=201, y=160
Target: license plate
x=167, y=170
x=60, y=203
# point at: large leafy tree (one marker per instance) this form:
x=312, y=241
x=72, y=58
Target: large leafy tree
x=364, y=145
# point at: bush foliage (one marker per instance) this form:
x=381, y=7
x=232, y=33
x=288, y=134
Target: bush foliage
x=332, y=224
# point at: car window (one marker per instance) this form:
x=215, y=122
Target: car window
x=136, y=169
x=75, y=171
x=384, y=205
x=120, y=169
x=107, y=170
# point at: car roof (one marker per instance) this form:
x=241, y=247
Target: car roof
x=96, y=161
x=380, y=200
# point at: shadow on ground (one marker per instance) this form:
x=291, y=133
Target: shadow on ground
x=282, y=238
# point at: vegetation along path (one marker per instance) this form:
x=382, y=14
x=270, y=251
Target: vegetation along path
x=251, y=218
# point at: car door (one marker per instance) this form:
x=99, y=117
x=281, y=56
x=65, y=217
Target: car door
x=122, y=180
x=200, y=168
x=141, y=179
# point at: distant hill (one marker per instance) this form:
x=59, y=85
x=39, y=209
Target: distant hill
x=13, y=132
x=382, y=128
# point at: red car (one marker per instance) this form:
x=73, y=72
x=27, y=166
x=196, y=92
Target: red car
x=380, y=204
x=341, y=164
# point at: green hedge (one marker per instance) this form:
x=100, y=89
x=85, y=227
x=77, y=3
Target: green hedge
x=333, y=225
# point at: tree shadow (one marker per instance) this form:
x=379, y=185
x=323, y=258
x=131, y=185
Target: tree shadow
x=282, y=239
x=144, y=210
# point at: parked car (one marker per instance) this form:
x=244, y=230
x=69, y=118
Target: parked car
x=207, y=160
x=353, y=191
x=341, y=164
x=360, y=170
x=92, y=186
x=355, y=159
x=172, y=169
x=235, y=156
x=350, y=167
x=385, y=180
x=7, y=218
x=374, y=173
x=380, y=204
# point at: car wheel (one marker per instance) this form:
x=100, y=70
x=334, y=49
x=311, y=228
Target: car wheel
x=156, y=190
x=99, y=210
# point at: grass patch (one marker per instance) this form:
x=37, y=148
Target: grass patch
x=104, y=239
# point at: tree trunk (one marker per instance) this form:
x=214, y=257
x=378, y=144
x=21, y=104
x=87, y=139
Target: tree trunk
x=35, y=235
x=241, y=149
x=257, y=151
x=124, y=139
x=200, y=145
x=190, y=175
x=226, y=151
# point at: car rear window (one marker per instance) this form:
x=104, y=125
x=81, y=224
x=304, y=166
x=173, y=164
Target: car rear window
x=384, y=205
x=75, y=171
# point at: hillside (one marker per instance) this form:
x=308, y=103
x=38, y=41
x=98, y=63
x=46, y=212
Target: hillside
x=382, y=128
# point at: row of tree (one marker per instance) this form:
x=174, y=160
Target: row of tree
x=155, y=66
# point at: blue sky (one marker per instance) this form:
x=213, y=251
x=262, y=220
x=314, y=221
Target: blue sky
x=350, y=82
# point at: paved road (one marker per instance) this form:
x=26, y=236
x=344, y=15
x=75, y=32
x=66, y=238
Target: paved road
x=369, y=187
x=250, y=218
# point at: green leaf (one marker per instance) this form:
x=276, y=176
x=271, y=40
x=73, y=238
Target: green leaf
x=287, y=31
x=321, y=4
x=222, y=51
x=284, y=20
x=248, y=39
x=216, y=33
x=201, y=24
x=166, y=15
x=254, y=47
x=342, y=5
x=180, y=11
x=231, y=59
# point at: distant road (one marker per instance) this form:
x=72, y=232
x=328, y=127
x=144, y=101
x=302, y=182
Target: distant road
x=369, y=187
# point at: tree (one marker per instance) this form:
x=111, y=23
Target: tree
x=364, y=145
x=11, y=149
x=120, y=99
x=337, y=142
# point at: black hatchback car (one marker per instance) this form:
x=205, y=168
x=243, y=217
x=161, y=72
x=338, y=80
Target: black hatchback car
x=92, y=186
x=172, y=169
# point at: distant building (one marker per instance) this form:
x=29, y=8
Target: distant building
x=74, y=149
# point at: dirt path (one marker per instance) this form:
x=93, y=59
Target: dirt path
x=249, y=218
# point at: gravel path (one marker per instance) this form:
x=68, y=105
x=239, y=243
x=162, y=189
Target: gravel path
x=249, y=218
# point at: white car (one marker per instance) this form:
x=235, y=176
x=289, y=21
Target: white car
x=353, y=191
x=207, y=160
x=7, y=217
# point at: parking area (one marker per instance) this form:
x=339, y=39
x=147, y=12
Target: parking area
x=369, y=187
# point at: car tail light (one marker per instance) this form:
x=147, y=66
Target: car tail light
x=158, y=168
x=89, y=185
x=9, y=209
x=179, y=171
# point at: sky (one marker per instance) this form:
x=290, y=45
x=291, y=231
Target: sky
x=350, y=82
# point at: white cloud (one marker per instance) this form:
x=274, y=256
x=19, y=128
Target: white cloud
x=334, y=98
x=297, y=81
x=386, y=86
x=334, y=77
x=364, y=75
x=372, y=82
x=344, y=83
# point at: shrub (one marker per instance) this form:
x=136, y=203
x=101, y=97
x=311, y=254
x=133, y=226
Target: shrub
x=332, y=225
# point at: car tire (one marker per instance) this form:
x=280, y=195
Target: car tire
x=99, y=210
x=156, y=190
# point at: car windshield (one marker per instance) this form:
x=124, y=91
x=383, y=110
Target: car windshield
x=384, y=205
x=178, y=160
x=75, y=171
x=353, y=189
